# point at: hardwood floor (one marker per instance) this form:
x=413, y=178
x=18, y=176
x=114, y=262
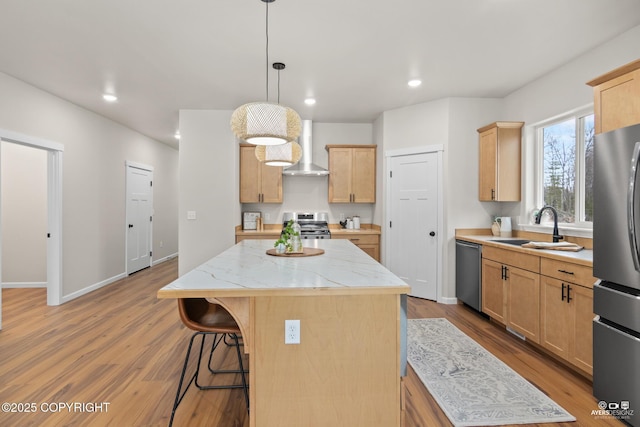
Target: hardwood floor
x=122, y=346
x=568, y=389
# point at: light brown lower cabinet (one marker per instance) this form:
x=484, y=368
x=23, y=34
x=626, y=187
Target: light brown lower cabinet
x=567, y=313
x=549, y=301
x=511, y=294
x=370, y=243
x=493, y=291
x=523, y=302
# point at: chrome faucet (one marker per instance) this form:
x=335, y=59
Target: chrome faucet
x=556, y=235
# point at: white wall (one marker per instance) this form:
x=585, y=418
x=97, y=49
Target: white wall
x=559, y=92
x=311, y=194
x=453, y=122
x=209, y=183
x=24, y=214
x=208, y=186
x=94, y=182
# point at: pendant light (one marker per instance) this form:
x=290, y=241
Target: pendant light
x=265, y=123
x=287, y=154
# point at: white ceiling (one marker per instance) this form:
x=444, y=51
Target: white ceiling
x=354, y=56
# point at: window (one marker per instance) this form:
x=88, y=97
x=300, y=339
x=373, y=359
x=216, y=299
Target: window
x=566, y=167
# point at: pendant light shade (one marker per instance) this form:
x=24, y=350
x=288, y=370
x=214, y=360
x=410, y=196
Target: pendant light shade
x=265, y=123
x=279, y=155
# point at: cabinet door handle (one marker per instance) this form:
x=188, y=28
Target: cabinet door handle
x=493, y=194
x=566, y=272
x=563, y=288
x=569, y=293
x=506, y=271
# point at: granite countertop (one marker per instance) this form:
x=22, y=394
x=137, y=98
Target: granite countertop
x=246, y=270
x=583, y=257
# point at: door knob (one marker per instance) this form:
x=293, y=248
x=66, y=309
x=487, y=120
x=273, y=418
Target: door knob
x=433, y=233
x=130, y=225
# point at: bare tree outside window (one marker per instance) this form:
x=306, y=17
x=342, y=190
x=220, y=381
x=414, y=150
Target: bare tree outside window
x=568, y=168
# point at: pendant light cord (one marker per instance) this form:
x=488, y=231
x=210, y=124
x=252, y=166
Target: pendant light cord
x=267, y=48
x=278, y=86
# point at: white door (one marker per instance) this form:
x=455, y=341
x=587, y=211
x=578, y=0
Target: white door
x=139, y=217
x=413, y=222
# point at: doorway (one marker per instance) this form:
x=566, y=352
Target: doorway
x=139, y=213
x=414, y=219
x=24, y=216
x=54, y=212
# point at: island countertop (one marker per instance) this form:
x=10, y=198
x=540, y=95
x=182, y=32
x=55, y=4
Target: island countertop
x=246, y=270
x=347, y=305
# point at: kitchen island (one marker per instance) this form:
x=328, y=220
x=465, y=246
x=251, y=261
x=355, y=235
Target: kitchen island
x=347, y=368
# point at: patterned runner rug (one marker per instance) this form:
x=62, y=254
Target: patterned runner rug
x=472, y=386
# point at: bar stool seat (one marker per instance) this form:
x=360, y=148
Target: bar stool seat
x=206, y=318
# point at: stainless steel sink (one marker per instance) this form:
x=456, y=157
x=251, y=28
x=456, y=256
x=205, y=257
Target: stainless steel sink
x=515, y=242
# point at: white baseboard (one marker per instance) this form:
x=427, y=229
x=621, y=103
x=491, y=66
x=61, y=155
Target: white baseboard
x=167, y=258
x=8, y=285
x=108, y=281
x=93, y=287
x=448, y=300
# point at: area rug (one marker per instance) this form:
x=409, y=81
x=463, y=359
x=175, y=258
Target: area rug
x=473, y=387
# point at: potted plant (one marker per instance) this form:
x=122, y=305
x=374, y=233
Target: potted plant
x=285, y=244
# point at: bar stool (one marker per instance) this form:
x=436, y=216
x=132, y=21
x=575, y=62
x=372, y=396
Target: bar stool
x=208, y=318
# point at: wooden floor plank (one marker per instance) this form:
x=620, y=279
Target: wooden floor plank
x=122, y=345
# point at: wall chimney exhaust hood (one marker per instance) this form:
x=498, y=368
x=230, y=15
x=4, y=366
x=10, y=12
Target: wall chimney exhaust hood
x=306, y=167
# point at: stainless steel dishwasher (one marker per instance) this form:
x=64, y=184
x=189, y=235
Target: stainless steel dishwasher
x=469, y=273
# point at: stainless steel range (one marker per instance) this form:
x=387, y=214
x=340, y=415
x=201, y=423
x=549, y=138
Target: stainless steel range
x=313, y=225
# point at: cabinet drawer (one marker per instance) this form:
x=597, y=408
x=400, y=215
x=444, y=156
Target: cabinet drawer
x=567, y=271
x=358, y=239
x=513, y=258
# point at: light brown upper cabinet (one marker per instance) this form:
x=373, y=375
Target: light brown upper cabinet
x=352, y=173
x=499, y=169
x=617, y=98
x=259, y=183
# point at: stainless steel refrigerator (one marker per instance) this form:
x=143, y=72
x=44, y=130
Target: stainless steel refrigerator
x=616, y=263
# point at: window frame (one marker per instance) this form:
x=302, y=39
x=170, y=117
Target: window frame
x=578, y=115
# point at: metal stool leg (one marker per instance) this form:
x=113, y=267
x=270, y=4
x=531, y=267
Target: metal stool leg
x=245, y=387
x=184, y=370
x=214, y=345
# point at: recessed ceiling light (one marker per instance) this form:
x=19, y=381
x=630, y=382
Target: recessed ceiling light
x=414, y=83
x=177, y=135
x=109, y=97
x=310, y=101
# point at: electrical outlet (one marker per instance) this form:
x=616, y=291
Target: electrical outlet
x=267, y=216
x=292, y=331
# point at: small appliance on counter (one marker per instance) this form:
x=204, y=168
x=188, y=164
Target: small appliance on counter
x=313, y=225
x=505, y=226
x=251, y=220
x=351, y=223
